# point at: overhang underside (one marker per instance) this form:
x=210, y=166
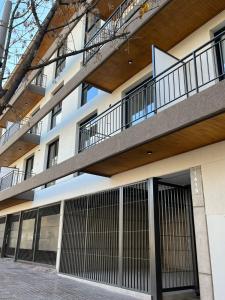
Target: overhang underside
x=19, y=199
x=165, y=29
x=15, y=151
x=198, y=135
x=23, y=104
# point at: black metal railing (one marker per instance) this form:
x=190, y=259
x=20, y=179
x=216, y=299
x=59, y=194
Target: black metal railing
x=36, y=129
x=197, y=71
x=13, y=178
x=125, y=11
x=39, y=80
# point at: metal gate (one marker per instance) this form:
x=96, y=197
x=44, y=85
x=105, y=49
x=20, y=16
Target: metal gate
x=177, y=238
x=106, y=237
x=90, y=241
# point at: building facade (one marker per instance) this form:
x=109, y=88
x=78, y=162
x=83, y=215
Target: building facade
x=113, y=161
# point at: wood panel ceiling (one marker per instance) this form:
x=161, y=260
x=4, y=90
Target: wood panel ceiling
x=106, y=8
x=18, y=149
x=174, y=22
x=198, y=135
x=11, y=202
x=23, y=104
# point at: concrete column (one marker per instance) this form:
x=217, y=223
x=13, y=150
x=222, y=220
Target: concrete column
x=201, y=232
x=61, y=218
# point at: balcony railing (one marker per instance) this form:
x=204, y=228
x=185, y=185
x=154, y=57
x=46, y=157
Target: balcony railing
x=36, y=129
x=40, y=80
x=13, y=178
x=202, y=68
x=125, y=11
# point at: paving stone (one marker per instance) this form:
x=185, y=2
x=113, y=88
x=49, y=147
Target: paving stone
x=22, y=281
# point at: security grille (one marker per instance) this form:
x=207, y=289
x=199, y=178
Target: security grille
x=90, y=240
x=92, y=247
x=2, y=231
x=136, y=252
x=178, y=254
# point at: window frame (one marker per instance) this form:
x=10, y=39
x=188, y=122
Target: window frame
x=54, y=113
x=26, y=174
x=86, y=87
x=61, y=63
x=48, y=166
x=127, y=119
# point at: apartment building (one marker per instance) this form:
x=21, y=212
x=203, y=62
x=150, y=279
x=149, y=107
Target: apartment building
x=113, y=162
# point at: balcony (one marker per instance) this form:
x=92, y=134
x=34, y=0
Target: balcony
x=180, y=110
x=13, y=146
x=201, y=71
x=10, y=178
x=25, y=98
x=161, y=26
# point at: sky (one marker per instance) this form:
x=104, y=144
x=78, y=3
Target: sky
x=24, y=33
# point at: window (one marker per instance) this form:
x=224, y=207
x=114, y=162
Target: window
x=29, y=167
x=60, y=64
x=88, y=93
x=220, y=52
x=52, y=158
x=35, y=128
x=56, y=115
x=93, y=23
x=87, y=135
x=139, y=103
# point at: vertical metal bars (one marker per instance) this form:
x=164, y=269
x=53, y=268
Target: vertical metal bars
x=176, y=237
x=136, y=254
x=90, y=239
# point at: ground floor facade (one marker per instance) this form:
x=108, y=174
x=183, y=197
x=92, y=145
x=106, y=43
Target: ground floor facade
x=155, y=230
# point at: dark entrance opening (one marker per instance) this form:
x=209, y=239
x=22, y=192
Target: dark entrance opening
x=176, y=236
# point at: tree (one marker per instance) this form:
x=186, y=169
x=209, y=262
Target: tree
x=30, y=22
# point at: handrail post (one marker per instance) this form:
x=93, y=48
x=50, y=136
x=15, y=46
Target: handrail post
x=195, y=71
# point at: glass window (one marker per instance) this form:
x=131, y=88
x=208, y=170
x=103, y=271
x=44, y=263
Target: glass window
x=220, y=52
x=29, y=167
x=60, y=64
x=52, y=157
x=93, y=23
x=87, y=135
x=139, y=104
x=27, y=234
x=88, y=93
x=36, y=128
x=56, y=115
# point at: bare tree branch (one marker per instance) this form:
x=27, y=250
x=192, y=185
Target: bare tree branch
x=76, y=52
x=34, y=12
